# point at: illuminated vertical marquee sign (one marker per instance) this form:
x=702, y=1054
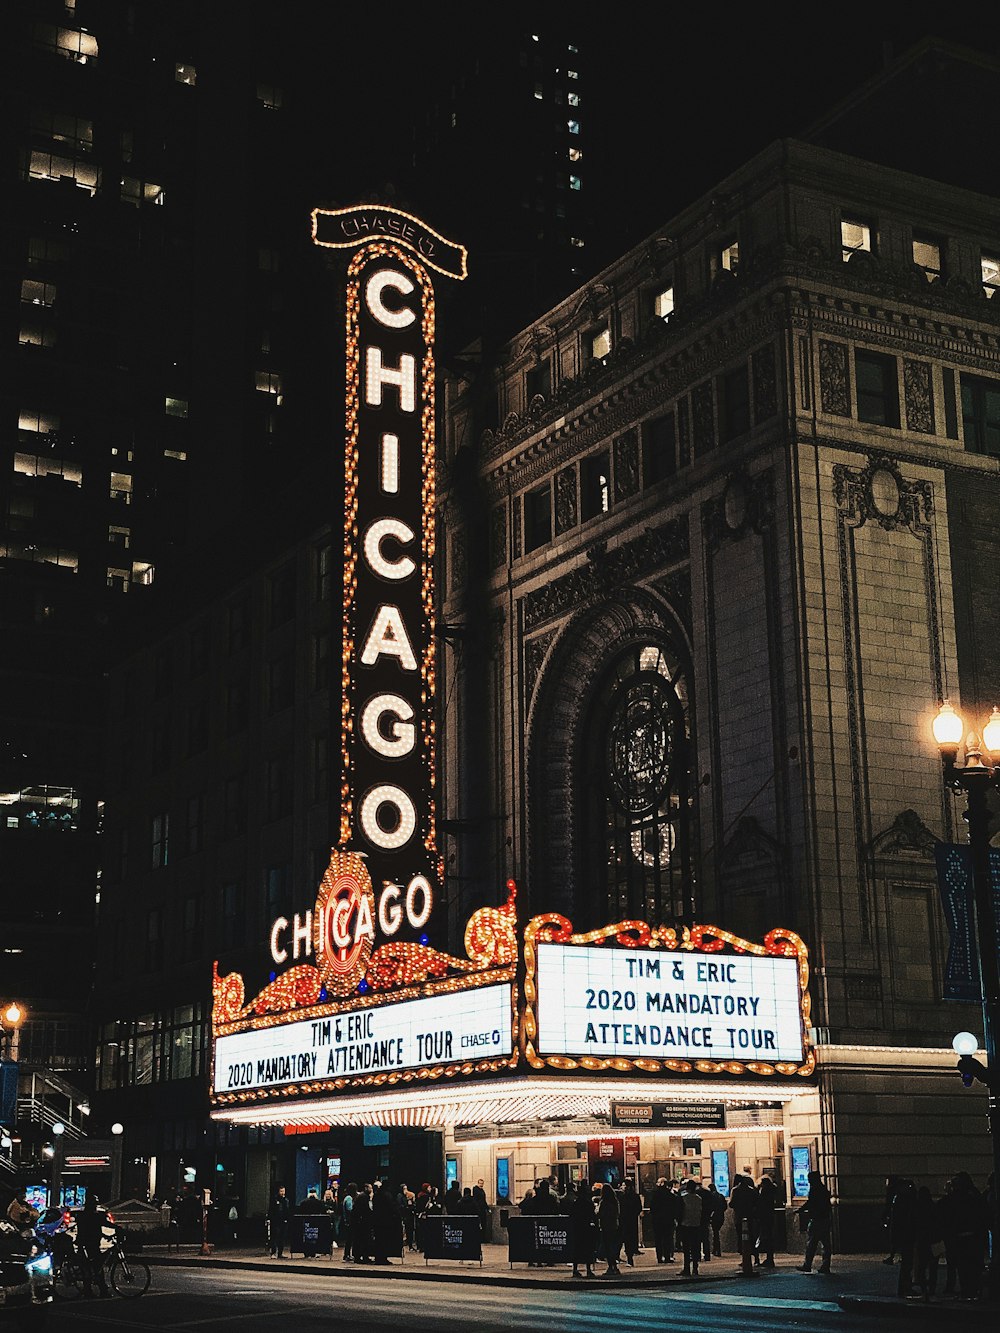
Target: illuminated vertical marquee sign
x=388, y=776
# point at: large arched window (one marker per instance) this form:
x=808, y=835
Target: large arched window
x=638, y=793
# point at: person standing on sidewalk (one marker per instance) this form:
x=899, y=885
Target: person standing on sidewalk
x=583, y=1230
x=819, y=1210
x=630, y=1211
x=661, y=1211
x=716, y=1216
x=689, y=1227
x=279, y=1215
x=743, y=1202
x=768, y=1199
x=609, y=1222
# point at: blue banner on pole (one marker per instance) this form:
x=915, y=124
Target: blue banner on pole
x=954, y=868
x=8, y=1093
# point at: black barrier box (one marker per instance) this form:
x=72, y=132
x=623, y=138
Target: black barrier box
x=539, y=1240
x=452, y=1237
x=312, y=1234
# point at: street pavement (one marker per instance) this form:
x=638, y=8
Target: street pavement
x=241, y=1292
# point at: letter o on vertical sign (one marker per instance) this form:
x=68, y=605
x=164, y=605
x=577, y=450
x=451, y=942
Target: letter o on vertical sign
x=418, y=885
x=406, y=816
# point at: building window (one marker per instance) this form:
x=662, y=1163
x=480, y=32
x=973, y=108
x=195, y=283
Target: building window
x=79, y=47
x=234, y=805
x=185, y=74
x=639, y=791
x=322, y=660
x=991, y=274
x=237, y=627
x=269, y=96
x=119, y=537
x=595, y=485
x=981, y=414
x=175, y=407
x=117, y=579
x=575, y=183
x=537, y=517
x=143, y=572
x=160, y=840
x=280, y=675
x=573, y=99
x=38, y=293
x=877, y=388
x=268, y=381
x=195, y=830
x=121, y=488
x=538, y=381
x=663, y=303
x=277, y=888
x=735, y=403
x=324, y=573
x=855, y=235
x=659, y=449
x=197, y=728
x=573, y=126
x=281, y=595
x=277, y=788
x=50, y=167
x=237, y=706
x=729, y=257
x=599, y=343
x=137, y=192
x=927, y=256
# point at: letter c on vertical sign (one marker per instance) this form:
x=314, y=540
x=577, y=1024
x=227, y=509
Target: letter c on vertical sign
x=376, y=285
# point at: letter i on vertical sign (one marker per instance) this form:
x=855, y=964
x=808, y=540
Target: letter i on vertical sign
x=388, y=775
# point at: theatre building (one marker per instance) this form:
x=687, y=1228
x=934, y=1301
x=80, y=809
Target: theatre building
x=633, y=801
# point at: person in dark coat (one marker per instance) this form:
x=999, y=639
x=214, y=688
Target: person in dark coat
x=347, y=1196
x=453, y=1199
x=743, y=1202
x=387, y=1225
x=89, y=1231
x=716, y=1216
x=406, y=1202
x=928, y=1247
x=629, y=1212
x=279, y=1215
x=768, y=1199
x=818, y=1207
x=689, y=1226
x=888, y=1221
x=363, y=1226
x=663, y=1215
x=467, y=1204
x=705, y=1238
x=483, y=1209
x=544, y=1202
x=966, y=1227
x=609, y=1224
x=583, y=1230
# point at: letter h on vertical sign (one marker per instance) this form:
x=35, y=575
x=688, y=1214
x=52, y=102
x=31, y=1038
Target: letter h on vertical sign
x=388, y=777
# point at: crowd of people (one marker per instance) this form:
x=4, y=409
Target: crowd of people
x=369, y=1223
x=925, y=1232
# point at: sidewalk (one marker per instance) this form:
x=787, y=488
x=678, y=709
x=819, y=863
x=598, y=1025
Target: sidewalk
x=859, y=1283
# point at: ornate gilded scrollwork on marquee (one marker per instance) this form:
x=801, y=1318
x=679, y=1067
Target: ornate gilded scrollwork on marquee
x=552, y=928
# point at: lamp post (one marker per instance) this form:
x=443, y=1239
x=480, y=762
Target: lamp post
x=11, y=1018
x=976, y=778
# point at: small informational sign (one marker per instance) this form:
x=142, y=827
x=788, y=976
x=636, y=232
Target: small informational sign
x=668, y=1115
x=954, y=869
x=503, y=1180
x=539, y=1240
x=312, y=1234
x=639, y=1003
x=606, y=1161
x=801, y=1166
x=447, y=1237
x=463, y=1025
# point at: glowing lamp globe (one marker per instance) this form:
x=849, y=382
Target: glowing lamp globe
x=991, y=732
x=965, y=1043
x=12, y=1014
x=117, y=1128
x=59, y=1128
x=948, y=727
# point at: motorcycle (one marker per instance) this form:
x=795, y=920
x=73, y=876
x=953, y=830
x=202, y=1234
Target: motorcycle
x=25, y=1277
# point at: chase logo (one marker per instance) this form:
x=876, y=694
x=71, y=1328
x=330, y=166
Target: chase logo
x=479, y=1039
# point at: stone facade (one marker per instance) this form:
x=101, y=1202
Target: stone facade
x=778, y=489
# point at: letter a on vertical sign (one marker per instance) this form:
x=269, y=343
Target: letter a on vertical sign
x=388, y=826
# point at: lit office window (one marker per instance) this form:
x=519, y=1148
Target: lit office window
x=855, y=235
x=729, y=257
x=600, y=343
x=575, y=154
x=121, y=488
x=573, y=126
x=991, y=274
x=80, y=47
x=269, y=96
x=927, y=255
x=50, y=167
x=268, y=381
x=44, y=423
x=175, y=407
x=185, y=74
x=573, y=99
x=575, y=183
x=38, y=293
x=663, y=303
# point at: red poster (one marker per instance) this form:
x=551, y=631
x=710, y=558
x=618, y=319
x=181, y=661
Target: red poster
x=606, y=1160
x=631, y=1152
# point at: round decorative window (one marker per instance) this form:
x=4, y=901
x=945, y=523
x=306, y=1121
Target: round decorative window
x=639, y=745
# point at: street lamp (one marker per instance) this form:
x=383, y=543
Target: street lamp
x=11, y=1018
x=976, y=777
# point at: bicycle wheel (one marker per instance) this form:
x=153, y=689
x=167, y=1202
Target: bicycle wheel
x=129, y=1277
x=67, y=1281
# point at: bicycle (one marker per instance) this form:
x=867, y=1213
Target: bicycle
x=127, y=1277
